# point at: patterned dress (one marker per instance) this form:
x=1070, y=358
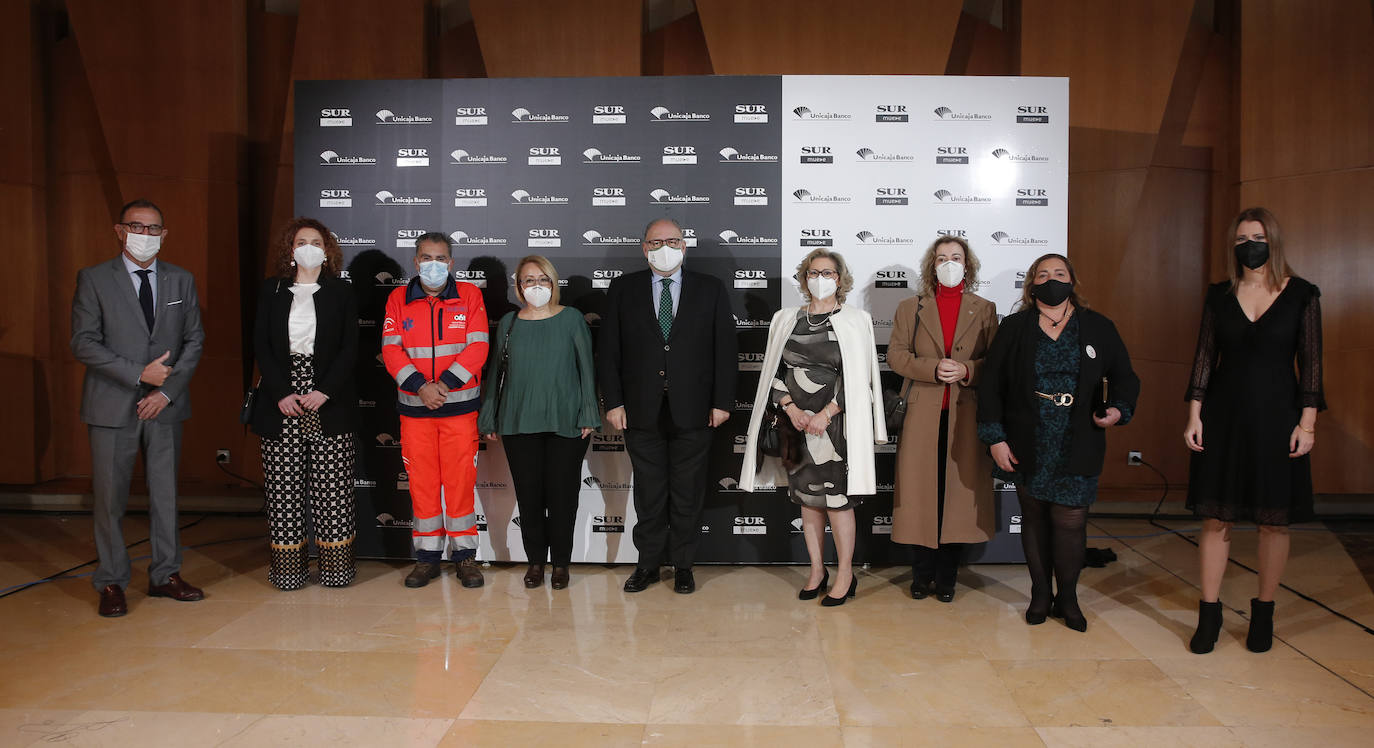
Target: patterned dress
x=810, y=374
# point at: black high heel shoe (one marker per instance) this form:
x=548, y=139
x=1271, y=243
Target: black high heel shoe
x=831, y=602
x=810, y=594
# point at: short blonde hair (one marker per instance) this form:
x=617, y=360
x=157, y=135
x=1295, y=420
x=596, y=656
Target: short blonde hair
x=927, y=282
x=846, y=281
x=544, y=265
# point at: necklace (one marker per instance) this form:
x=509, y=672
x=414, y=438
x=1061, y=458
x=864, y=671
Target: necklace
x=1056, y=322
x=824, y=316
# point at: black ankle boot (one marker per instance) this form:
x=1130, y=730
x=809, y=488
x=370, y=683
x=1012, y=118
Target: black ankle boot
x=1261, y=636
x=1208, y=628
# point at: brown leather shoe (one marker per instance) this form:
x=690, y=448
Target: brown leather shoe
x=422, y=573
x=112, y=604
x=559, y=579
x=534, y=576
x=470, y=574
x=177, y=589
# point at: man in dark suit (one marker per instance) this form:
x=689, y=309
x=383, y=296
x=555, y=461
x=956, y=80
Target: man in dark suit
x=667, y=365
x=136, y=327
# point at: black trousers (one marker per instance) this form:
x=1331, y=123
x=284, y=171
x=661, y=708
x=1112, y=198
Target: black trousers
x=546, y=469
x=669, y=463
x=939, y=564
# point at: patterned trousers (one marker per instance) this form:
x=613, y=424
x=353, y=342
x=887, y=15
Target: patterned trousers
x=302, y=462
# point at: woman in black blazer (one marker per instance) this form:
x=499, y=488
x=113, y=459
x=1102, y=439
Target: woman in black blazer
x=306, y=341
x=1055, y=378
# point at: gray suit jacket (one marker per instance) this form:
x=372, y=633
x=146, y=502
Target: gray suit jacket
x=110, y=337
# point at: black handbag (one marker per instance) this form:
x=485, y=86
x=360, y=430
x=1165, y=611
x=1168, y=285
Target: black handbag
x=246, y=412
x=501, y=374
x=779, y=438
x=894, y=402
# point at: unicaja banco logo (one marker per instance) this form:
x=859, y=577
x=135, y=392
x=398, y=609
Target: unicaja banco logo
x=664, y=114
x=731, y=238
x=804, y=195
x=729, y=155
x=524, y=197
x=595, y=156
x=870, y=156
x=868, y=237
x=806, y=114
x=1002, y=237
x=386, y=197
x=949, y=198
x=946, y=114
x=594, y=238
x=464, y=158
x=1002, y=154
x=332, y=158
x=524, y=116
x=664, y=197
x=462, y=238
x=388, y=117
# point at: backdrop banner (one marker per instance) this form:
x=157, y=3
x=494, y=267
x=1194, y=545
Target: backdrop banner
x=759, y=170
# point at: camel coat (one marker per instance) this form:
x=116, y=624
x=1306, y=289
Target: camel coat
x=969, y=506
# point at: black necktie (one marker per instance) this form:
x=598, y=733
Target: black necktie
x=145, y=297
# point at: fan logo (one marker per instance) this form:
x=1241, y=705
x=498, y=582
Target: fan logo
x=750, y=525
x=750, y=113
x=523, y=197
x=592, y=481
x=475, y=277
x=545, y=156
x=470, y=115
x=463, y=158
x=867, y=155
x=1003, y=238
x=805, y=114
x=679, y=154
x=462, y=238
x=608, y=196
x=664, y=114
x=608, y=115
x=608, y=523
x=412, y=157
x=751, y=279
x=336, y=118
x=335, y=199
x=332, y=158
x=751, y=362
x=729, y=155
x=817, y=154
x=951, y=154
x=595, y=156
x=729, y=238
x=661, y=196
x=594, y=238
x=388, y=117
x=945, y=197
x=817, y=238
x=470, y=197
x=543, y=238
x=386, y=197
x=890, y=196
x=521, y=115
x=868, y=237
x=751, y=196
x=1032, y=197
x=804, y=195
x=603, y=278
x=1033, y=115
x=1003, y=154
x=945, y=114
x=890, y=279
x=405, y=238
x=891, y=113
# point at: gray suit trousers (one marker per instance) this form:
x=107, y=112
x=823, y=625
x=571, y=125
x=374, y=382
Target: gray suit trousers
x=113, y=451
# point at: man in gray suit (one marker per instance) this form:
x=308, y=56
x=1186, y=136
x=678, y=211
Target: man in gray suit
x=136, y=327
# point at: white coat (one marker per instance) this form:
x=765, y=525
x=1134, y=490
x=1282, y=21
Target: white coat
x=864, y=423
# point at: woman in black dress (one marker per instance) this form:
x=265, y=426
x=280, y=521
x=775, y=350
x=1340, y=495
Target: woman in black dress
x=1043, y=413
x=1258, y=417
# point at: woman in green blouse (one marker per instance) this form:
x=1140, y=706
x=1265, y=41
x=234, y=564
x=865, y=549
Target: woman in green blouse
x=543, y=414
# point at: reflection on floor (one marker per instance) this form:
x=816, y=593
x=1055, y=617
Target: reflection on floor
x=740, y=662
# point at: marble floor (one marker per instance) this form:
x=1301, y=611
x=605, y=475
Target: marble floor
x=741, y=662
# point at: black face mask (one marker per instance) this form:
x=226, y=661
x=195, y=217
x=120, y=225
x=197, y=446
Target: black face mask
x=1052, y=292
x=1252, y=254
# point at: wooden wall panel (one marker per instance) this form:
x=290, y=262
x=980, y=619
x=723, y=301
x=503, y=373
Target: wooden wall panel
x=1307, y=70
x=460, y=53
x=797, y=37
x=679, y=48
x=550, y=38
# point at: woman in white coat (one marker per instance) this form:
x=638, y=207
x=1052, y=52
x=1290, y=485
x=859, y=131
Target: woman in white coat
x=824, y=368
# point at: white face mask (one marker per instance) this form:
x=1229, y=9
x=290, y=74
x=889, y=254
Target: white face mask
x=538, y=296
x=950, y=273
x=142, y=247
x=665, y=259
x=821, y=287
x=434, y=274
x=308, y=256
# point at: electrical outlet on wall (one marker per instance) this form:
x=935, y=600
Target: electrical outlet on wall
x=221, y=456
x=1133, y=458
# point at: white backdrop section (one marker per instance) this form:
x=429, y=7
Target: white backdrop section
x=877, y=167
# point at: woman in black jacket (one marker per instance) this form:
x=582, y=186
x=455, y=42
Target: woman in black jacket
x=306, y=341
x=1056, y=376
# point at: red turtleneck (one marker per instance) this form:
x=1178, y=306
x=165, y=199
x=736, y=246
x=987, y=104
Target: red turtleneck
x=947, y=300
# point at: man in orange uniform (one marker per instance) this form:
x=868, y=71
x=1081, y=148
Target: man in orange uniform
x=434, y=342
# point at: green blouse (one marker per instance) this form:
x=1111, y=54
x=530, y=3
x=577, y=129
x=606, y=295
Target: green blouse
x=550, y=379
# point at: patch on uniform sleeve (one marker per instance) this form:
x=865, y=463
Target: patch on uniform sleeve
x=407, y=323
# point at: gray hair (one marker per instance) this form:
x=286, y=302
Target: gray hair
x=661, y=219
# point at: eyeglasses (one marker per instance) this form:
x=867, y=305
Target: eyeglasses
x=675, y=243
x=829, y=274
x=151, y=229
x=532, y=282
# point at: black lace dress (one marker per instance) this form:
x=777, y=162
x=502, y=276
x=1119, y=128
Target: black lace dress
x=1251, y=399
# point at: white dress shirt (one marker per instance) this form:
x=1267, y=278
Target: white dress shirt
x=133, y=269
x=300, y=325
x=656, y=287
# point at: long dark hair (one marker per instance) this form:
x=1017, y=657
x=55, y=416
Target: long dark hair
x=1029, y=303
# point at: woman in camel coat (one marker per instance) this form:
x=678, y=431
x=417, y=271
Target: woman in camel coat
x=942, y=495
